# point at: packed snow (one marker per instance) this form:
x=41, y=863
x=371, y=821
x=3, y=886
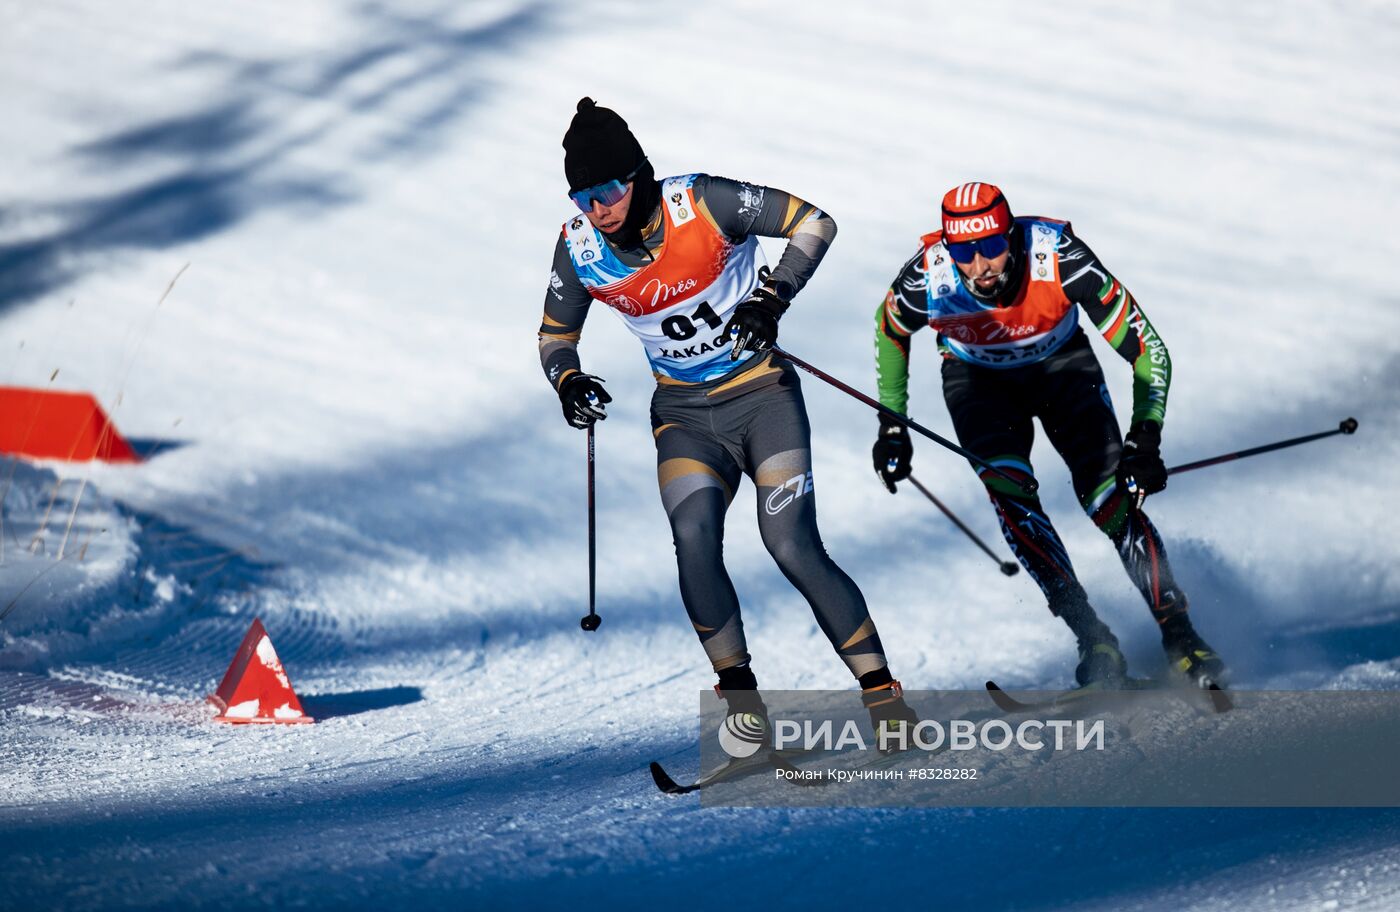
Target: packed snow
x=300, y=250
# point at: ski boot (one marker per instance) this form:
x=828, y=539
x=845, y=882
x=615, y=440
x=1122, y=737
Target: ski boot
x=1101, y=665
x=892, y=718
x=1192, y=656
x=746, y=729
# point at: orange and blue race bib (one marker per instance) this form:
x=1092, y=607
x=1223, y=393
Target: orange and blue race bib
x=679, y=303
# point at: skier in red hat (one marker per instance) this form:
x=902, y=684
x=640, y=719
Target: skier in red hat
x=1004, y=295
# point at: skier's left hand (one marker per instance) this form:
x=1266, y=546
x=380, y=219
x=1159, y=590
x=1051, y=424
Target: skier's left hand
x=754, y=326
x=1140, y=469
x=892, y=453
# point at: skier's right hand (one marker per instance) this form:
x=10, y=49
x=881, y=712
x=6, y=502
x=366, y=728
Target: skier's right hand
x=583, y=399
x=892, y=452
x=1141, y=470
x=754, y=325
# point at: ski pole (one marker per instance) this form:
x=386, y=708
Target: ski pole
x=1010, y=568
x=591, y=620
x=1029, y=485
x=1348, y=426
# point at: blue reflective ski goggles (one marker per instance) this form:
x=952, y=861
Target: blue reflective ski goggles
x=990, y=248
x=608, y=194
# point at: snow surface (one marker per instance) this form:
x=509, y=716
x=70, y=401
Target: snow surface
x=359, y=447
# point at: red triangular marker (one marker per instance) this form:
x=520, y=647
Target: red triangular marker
x=45, y=424
x=255, y=688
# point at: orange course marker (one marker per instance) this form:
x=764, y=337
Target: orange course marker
x=43, y=424
x=255, y=688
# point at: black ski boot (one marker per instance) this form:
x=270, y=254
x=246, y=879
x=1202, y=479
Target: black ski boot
x=746, y=718
x=1101, y=665
x=892, y=719
x=1192, y=656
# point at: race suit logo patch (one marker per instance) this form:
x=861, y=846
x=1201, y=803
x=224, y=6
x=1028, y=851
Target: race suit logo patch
x=787, y=492
x=962, y=226
x=624, y=304
x=750, y=199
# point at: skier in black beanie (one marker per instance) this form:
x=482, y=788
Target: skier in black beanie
x=679, y=261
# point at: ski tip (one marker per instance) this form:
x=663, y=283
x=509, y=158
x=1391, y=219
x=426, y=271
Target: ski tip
x=1004, y=701
x=663, y=780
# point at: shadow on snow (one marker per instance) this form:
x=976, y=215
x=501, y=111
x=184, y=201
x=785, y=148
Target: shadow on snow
x=246, y=153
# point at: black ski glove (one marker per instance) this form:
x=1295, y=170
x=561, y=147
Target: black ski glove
x=754, y=326
x=1140, y=469
x=583, y=398
x=892, y=452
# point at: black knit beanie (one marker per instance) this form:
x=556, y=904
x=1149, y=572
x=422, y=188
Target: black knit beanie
x=598, y=147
